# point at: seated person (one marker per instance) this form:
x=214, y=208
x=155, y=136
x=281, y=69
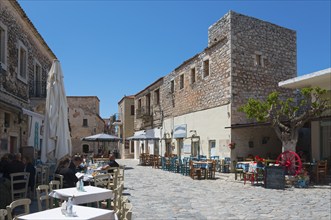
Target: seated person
x=29, y=167
x=111, y=163
x=75, y=164
x=69, y=177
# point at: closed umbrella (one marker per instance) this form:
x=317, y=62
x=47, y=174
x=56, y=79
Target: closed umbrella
x=56, y=138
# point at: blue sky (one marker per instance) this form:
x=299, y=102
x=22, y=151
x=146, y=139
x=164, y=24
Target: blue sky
x=114, y=48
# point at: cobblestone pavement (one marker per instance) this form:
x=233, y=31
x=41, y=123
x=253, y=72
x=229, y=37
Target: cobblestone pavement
x=158, y=194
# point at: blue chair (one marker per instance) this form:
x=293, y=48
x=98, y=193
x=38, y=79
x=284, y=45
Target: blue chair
x=185, y=167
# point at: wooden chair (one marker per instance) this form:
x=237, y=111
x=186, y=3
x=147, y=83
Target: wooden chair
x=321, y=170
x=127, y=214
x=117, y=201
x=16, y=203
x=54, y=184
x=194, y=170
x=19, y=185
x=3, y=214
x=212, y=169
x=43, y=197
x=237, y=171
x=42, y=175
x=102, y=181
x=114, y=181
x=58, y=177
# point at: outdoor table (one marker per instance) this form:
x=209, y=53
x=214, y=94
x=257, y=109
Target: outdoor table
x=91, y=194
x=82, y=213
x=204, y=165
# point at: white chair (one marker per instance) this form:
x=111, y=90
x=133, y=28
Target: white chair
x=19, y=185
x=3, y=214
x=54, y=184
x=43, y=197
x=58, y=177
x=19, y=202
x=127, y=214
x=103, y=181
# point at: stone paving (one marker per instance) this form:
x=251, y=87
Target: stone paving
x=159, y=194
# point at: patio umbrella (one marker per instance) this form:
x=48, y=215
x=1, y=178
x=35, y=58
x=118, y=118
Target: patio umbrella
x=101, y=138
x=56, y=138
x=142, y=137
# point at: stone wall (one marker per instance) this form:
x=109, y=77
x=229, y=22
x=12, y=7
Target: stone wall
x=80, y=108
x=19, y=29
x=274, y=45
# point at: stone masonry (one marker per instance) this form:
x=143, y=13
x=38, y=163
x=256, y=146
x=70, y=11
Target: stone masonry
x=247, y=58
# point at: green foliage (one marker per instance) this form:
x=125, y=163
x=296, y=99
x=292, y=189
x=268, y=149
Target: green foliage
x=309, y=103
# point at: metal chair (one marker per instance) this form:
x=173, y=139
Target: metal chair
x=19, y=202
x=19, y=185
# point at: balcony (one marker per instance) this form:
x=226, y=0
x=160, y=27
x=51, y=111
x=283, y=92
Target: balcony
x=144, y=114
x=117, y=119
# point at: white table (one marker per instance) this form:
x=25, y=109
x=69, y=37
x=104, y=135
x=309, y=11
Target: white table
x=91, y=194
x=82, y=213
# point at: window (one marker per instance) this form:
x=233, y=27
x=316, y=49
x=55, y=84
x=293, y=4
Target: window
x=37, y=79
x=192, y=75
x=85, y=123
x=139, y=104
x=181, y=81
x=86, y=148
x=258, y=59
x=172, y=86
x=205, y=68
x=132, y=109
x=3, y=46
x=157, y=97
x=7, y=120
x=22, y=63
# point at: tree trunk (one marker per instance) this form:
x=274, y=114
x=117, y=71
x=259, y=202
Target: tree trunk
x=289, y=145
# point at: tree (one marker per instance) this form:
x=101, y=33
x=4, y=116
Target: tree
x=289, y=115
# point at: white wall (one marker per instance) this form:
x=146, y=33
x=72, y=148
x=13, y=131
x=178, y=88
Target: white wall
x=209, y=125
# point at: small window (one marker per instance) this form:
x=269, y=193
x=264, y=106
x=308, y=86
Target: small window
x=192, y=75
x=22, y=63
x=37, y=79
x=157, y=97
x=7, y=120
x=205, y=68
x=85, y=123
x=86, y=149
x=3, y=46
x=172, y=86
x=258, y=59
x=132, y=109
x=181, y=81
x=139, y=104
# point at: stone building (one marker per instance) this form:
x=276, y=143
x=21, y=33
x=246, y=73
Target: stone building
x=84, y=120
x=199, y=100
x=148, y=118
x=25, y=60
x=124, y=121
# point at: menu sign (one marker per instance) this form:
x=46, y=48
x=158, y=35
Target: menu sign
x=274, y=177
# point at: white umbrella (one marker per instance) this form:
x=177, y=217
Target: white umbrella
x=101, y=137
x=56, y=137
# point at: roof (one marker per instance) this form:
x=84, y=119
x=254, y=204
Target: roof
x=320, y=78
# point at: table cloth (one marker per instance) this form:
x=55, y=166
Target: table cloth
x=91, y=194
x=82, y=213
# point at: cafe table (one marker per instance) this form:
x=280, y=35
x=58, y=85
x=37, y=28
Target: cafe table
x=81, y=213
x=89, y=195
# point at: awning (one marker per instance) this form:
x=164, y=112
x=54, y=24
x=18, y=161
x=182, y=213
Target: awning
x=256, y=124
x=33, y=114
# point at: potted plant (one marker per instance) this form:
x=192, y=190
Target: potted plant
x=232, y=145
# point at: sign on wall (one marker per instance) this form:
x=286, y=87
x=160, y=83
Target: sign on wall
x=180, y=131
